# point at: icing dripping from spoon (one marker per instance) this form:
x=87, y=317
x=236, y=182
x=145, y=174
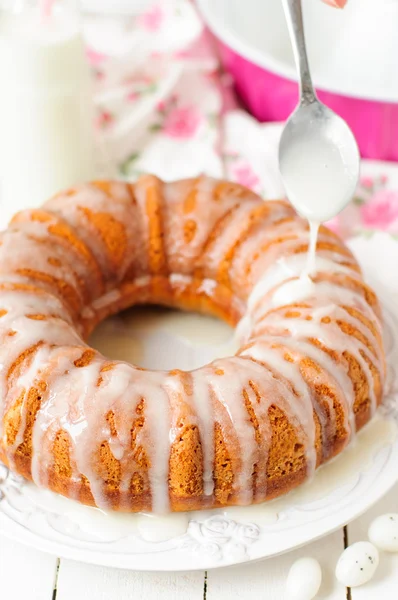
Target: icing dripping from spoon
x=318, y=155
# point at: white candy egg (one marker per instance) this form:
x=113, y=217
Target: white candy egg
x=357, y=564
x=383, y=532
x=304, y=579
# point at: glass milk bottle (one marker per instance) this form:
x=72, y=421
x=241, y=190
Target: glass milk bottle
x=46, y=125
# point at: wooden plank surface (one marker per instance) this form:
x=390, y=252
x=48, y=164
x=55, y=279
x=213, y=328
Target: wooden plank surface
x=77, y=581
x=266, y=579
x=25, y=573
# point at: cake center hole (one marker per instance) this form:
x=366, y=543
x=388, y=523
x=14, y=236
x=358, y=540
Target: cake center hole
x=164, y=339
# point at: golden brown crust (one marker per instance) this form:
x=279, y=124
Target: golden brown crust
x=98, y=245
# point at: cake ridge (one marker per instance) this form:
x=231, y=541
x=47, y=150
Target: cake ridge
x=242, y=429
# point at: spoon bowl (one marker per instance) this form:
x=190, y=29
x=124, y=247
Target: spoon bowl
x=319, y=161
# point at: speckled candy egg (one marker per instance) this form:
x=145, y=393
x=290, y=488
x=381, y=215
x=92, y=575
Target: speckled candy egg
x=304, y=579
x=383, y=532
x=357, y=564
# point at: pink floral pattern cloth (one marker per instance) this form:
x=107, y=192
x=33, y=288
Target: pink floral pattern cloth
x=164, y=106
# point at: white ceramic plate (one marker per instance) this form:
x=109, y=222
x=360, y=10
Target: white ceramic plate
x=340, y=491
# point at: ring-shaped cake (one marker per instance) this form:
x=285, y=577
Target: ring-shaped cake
x=241, y=430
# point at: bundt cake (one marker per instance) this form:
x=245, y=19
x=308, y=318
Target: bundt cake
x=240, y=430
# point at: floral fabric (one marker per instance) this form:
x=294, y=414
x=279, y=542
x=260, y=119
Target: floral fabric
x=164, y=106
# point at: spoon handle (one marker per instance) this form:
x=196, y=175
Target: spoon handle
x=294, y=18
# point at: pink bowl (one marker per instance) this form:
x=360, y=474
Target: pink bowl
x=352, y=53
x=270, y=97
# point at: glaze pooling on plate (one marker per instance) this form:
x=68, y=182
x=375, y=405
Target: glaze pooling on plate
x=121, y=437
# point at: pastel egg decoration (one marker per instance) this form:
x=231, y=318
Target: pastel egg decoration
x=357, y=564
x=383, y=532
x=304, y=579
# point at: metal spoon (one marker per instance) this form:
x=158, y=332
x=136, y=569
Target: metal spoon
x=321, y=179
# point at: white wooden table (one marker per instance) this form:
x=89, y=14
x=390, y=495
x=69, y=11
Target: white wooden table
x=26, y=574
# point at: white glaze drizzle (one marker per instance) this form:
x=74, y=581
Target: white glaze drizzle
x=310, y=268
x=233, y=376
x=303, y=401
x=79, y=399
x=202, y=400
x=290, y=267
